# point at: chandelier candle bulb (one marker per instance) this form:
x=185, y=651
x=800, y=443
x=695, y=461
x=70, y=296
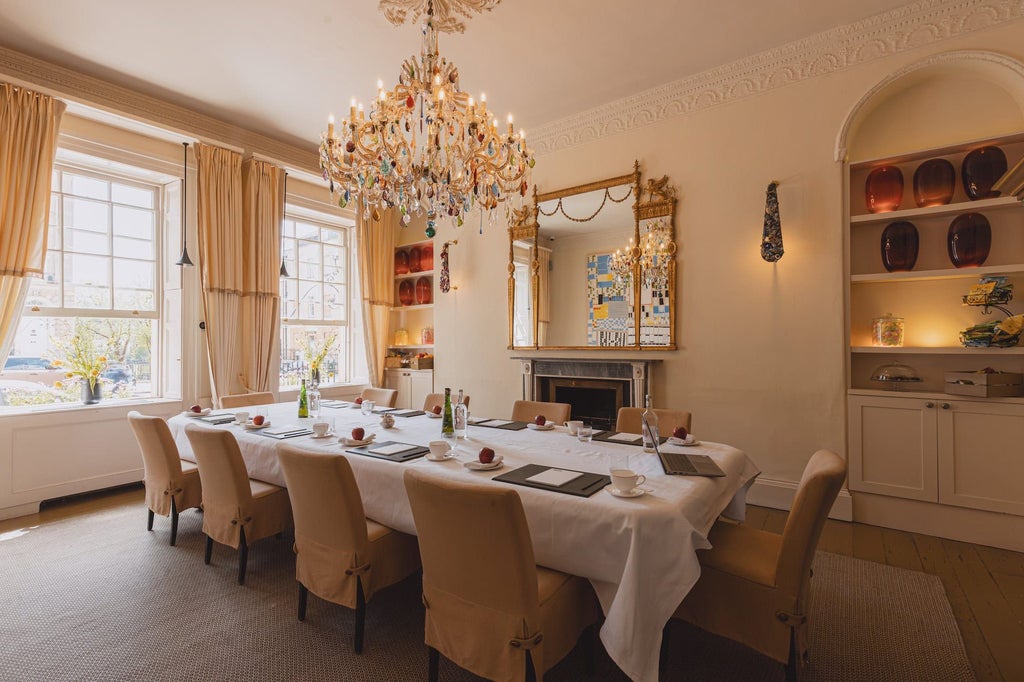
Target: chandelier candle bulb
x=330, y=126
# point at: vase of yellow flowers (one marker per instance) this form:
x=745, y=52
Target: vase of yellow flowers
x=314, y=354
x=85, y=363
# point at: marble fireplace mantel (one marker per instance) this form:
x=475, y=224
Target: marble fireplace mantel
x=637, y=371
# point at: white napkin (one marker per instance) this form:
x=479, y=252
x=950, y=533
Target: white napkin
x=625, y=437
x=555, y=477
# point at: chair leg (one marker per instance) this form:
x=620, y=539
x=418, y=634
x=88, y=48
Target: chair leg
x=433, y=662
x=791, y=672
x=209, y=550
x=590, y=651
x=243, y=557
x=149, y=521
x=360, y=615
x=174, y=522
x=663, y=656
x=531, y=674
x=303, y=596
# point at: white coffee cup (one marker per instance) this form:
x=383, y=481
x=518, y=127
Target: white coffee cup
x=321, y=428
x=241, y=417
x=573, y=426
x=438, y=449
x=626, y=480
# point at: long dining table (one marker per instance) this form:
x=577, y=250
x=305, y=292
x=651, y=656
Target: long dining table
x=640, y=554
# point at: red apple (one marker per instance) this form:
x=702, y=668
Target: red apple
x=436, y=409
x=358, y=433
x=196, y=408
x=486, y=455
x=359, y=400
x=540, y=420
x=680, y=432
x=258, y=420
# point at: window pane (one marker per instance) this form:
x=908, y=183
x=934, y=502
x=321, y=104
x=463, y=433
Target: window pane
x=83, y=214
x=83, y=241
x=289, y=299
x=300, y=342
x=309, y=260
x=288, y=229
x=307, y=231
x=311, y=301
x=333, y=274
x=133, y=196
x=133, y=222
x=288, y=255
x=45, y=292
x=87, y=281
x=334, y=256
x=134, y=248
x=329, y=236
x=133, y=285
x=84, y=186
x=334, y=302
x=53, y=234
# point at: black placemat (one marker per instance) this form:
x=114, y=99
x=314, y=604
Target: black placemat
x=584, y=486
x=415, y=452
x=605, y=437
x=511, y=426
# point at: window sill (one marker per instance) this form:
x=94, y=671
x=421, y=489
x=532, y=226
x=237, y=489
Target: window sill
x=65, y=408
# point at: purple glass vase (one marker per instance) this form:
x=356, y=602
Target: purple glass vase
x=899, y=246
x=969, y=240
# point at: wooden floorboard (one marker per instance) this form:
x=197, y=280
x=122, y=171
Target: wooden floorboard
x=837, y=537
x=756, y=517
x=776, y=521
x=867, y=543
x=900, y=550
x=1007, y=569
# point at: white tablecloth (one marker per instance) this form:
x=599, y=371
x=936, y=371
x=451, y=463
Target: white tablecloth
x=639, y=554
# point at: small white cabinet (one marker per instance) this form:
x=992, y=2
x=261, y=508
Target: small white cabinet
x=413, y=386
x=936, y=449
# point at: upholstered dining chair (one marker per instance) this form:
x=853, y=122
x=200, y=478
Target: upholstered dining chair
x=628, y=420
x=527, y=410
x=341, y=556
x=489, y=607
x=383, y=397
x=172, y=484
x=433, y=399
x=237, y=510
x=753, y=584
x=246, y=399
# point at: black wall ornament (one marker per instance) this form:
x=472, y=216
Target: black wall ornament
x=771, y=238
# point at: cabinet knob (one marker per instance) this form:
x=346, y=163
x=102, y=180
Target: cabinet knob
x=945, y=406
x=929, y=405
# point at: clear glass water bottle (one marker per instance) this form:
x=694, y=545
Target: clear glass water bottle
x=447, y=418
x=314, y=402
x=461, y=417
x=649, y=426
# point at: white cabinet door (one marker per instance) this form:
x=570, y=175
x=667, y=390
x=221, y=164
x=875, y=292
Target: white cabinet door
x=398, y=379
x=981, y=457
x=893, y=447
x=422, y=384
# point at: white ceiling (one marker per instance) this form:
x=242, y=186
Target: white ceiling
x=280, y=67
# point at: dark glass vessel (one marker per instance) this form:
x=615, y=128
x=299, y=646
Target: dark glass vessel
x=934, y=183
x=899, y=246
x=883, y=190
x=969, y=240
x=981, y=169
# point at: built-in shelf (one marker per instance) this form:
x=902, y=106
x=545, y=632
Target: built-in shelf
x=930, y=395
x=414, y=275
x=935, y=211
x=937, y=350
x=925, y=275
x=421, y=306
x=408, y=346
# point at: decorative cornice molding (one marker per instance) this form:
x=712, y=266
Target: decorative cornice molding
x=59, y=81
x=883, y=35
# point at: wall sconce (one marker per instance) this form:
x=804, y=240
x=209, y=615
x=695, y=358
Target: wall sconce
x=771, y=238
x=446, y=280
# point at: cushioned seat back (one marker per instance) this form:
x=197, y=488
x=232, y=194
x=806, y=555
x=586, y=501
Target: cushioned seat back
x=325, y=499
x=246, y=399
x=820, y=484
x=433, y=399
x=221, y=468
x=383, y=397
x=474, y=543
x=160, y=458
x=527, y=410
x=628, y=420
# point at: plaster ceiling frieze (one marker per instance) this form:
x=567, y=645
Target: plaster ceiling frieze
x=885, y=34
x=30, y=72
x=447, y=13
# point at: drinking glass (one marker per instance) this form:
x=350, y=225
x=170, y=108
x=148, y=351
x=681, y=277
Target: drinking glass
x=366, y=407
x=585, y=433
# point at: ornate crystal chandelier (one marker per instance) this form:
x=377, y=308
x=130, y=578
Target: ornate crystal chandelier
x=426, y=147
x=652, y=255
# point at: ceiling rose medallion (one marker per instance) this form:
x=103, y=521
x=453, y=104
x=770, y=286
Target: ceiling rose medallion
x=426, y=147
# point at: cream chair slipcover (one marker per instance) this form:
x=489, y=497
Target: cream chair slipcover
x=341, y=556
x=527, y=410
x=489, y=607
x=382, y=397
x=172, y=485
x=237, y=511
x=629, y=421
x=753, y=584
x=433, y=399
x=246, y=399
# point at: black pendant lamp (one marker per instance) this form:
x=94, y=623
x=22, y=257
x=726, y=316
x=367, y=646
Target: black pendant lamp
x=284, y=269
x=184, y=260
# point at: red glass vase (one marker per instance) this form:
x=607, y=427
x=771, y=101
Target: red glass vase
x=414, y=259
x=981, y=169
x=401, y=263
x=899, y=246
x=423, y=290
x=405, y=292
x=427, y=257
x=883, y=190
x=934, y=183
x=969, y=240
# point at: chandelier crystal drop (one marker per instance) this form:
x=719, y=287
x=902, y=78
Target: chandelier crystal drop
x=425, y=147
x=652, y=256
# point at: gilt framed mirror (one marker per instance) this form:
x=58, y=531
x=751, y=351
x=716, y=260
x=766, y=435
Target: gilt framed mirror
x=593, y=267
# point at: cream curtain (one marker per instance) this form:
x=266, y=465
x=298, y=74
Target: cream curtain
x=29, y=123
x=543, y=294
x=376, y=248
x=262, y=213
x=221, y=262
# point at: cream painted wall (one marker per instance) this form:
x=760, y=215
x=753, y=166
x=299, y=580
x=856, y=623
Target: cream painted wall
x=761, y=347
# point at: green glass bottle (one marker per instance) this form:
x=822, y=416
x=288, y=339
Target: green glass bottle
x=303, y=401
x=448, y=420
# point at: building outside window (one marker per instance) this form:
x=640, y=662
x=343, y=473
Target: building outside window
x=100, y=291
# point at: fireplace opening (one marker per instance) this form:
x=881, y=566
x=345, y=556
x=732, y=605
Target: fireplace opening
x=595, y=401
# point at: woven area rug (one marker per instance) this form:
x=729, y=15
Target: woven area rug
x=98, y=598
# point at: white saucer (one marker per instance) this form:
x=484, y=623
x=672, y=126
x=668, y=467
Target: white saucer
x=478, y=466
x=190, y=413
x=323, y=437
x=635, y=492
x=690, y=440
x=253, y=427
x=536, y=427
x=433, y=416
x=442, y=458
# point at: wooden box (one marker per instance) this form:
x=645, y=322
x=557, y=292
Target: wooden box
x=422, y=363
x=985, y=385
x=392, y=362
